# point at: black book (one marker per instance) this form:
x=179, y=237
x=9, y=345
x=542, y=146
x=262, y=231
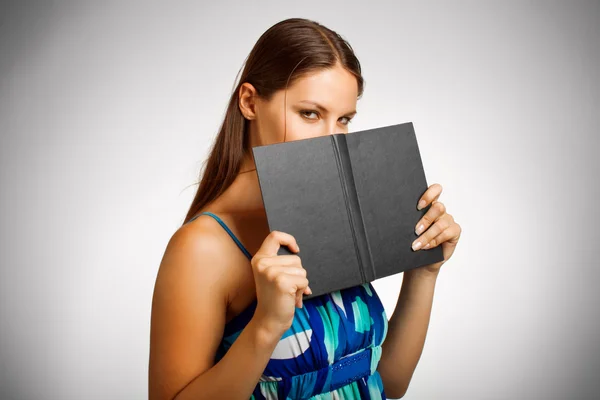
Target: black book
x=350, y=201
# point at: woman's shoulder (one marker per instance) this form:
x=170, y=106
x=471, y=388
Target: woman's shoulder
x=203, y=245
x=206, y=233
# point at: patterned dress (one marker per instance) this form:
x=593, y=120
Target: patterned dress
x=331, y=351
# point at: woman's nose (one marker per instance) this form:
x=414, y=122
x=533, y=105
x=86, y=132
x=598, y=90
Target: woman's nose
x=332, y=128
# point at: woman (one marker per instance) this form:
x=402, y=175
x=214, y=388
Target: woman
x=228, y=318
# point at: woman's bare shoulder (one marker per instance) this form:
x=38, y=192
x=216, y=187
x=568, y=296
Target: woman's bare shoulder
x=206, y=245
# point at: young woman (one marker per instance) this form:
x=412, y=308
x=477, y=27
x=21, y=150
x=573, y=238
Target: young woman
x=228, y=318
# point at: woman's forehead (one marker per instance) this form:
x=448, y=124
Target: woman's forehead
x=333, y=88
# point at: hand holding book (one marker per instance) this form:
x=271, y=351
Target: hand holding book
x=280, y=283
x=437, y=227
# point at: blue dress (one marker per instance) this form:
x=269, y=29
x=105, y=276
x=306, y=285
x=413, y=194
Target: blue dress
x=331, y=350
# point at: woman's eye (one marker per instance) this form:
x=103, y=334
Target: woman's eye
x=308, y=112
x=347, y=120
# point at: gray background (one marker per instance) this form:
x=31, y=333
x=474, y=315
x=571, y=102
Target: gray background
x=107, y=110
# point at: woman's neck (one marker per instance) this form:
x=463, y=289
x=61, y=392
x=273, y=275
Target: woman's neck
x=242, y=208
x=243, y=196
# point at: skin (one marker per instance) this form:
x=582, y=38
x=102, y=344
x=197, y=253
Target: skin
x=241, y=208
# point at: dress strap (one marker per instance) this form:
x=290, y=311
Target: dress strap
x=220, y=221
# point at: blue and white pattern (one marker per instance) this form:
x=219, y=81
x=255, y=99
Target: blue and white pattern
x=331, y=351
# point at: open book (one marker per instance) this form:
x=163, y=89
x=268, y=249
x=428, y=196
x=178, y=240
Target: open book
x=350, y=201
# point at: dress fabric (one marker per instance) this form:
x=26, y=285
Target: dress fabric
x=331, y=350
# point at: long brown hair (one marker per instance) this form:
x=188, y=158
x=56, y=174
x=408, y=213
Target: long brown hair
x=287, y=51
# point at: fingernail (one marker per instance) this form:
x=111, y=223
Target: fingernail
x=426, y=246
x=416, y=246
x=309, y=291
x=421, y=204
x=419, y=229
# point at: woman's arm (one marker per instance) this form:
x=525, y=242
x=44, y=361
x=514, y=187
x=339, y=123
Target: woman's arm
x=407, y=329
x=188, y=317
x=235, y=376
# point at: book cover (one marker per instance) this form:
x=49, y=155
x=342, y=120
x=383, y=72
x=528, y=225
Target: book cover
x=350, y=201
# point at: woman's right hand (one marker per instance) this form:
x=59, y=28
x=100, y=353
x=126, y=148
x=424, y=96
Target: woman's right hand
x=280, y=282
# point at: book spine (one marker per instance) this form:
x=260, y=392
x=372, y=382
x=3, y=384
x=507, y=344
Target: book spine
x=340, y=149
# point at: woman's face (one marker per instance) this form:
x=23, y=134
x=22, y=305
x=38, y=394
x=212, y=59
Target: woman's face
x=318, y=104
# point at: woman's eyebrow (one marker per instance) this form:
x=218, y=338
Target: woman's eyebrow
x=323, y=109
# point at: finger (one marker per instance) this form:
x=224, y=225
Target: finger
x=262, y=262
x=431, y=194
x=274, y=240
x=300, y=297
x=289, y=260
x=291, y=284
x=435, y=211
x=449, y=234
x=273, y=272
x=435, y=230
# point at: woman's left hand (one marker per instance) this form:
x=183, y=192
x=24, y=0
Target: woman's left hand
x=436, y=227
